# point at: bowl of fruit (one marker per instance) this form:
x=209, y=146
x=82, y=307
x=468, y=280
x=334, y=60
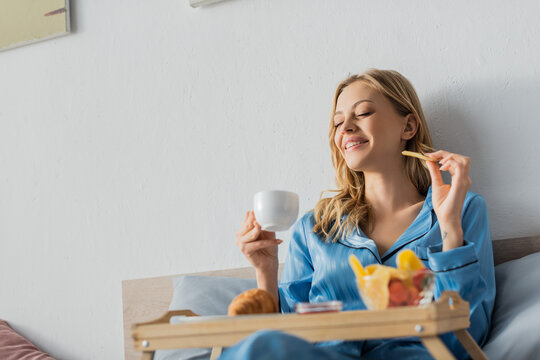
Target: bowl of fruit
x=410, y=283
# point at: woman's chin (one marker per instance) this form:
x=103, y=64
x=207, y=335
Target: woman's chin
x=356, y=167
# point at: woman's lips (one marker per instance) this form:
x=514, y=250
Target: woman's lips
x=352, y=148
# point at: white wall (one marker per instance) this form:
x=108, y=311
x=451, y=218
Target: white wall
x=132, y=147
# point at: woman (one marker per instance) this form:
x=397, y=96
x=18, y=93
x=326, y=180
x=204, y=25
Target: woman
x=385, y=203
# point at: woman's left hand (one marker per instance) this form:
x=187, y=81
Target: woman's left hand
x=448, y=199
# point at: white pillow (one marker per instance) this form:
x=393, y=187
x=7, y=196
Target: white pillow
x=204, y=295
x=515, y=327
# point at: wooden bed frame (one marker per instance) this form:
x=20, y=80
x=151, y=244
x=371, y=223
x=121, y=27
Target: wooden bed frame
x=147, y=299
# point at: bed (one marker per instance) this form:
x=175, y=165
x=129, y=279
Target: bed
x=147, y=299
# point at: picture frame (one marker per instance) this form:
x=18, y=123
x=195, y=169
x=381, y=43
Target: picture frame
x=24, y=22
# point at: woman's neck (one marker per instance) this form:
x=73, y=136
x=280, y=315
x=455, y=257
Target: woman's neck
x=390, y=193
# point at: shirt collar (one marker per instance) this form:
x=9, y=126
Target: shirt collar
x=419, y=227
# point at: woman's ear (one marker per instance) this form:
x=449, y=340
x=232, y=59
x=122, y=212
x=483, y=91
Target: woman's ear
x=411, y=127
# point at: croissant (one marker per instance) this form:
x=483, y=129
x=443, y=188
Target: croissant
x=253, y=301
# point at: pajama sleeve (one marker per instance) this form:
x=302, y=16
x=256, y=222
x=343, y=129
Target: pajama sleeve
x=468, y=270
x=297, y=274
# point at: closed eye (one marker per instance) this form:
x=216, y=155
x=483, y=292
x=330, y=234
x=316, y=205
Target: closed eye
x=356, y=116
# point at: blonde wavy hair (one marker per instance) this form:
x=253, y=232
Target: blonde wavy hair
x=350, y=198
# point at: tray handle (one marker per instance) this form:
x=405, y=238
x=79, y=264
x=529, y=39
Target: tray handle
x=450, y=298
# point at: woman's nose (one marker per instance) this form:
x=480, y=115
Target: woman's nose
x=348, y=125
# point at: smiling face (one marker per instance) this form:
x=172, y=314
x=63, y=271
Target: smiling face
x=368, y=130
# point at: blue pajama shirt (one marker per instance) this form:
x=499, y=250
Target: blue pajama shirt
x=317, y=271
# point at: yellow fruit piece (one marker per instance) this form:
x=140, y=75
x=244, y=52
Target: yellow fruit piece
x=376, y=288
x=408, y=261
x=361, y=283
x=359, y=271
x=370, y=269
x=373, y=280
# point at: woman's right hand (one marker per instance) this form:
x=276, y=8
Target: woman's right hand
x=260, y=247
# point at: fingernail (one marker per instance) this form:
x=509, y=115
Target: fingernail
x=279, y=241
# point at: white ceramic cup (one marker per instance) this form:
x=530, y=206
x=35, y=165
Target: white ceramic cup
x=275, y=210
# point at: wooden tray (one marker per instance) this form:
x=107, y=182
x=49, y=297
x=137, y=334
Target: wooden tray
x=449, y=313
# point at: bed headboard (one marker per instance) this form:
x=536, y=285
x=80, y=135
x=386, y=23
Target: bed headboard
x=147, y=299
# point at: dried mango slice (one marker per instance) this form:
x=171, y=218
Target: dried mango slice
x=408, y=261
